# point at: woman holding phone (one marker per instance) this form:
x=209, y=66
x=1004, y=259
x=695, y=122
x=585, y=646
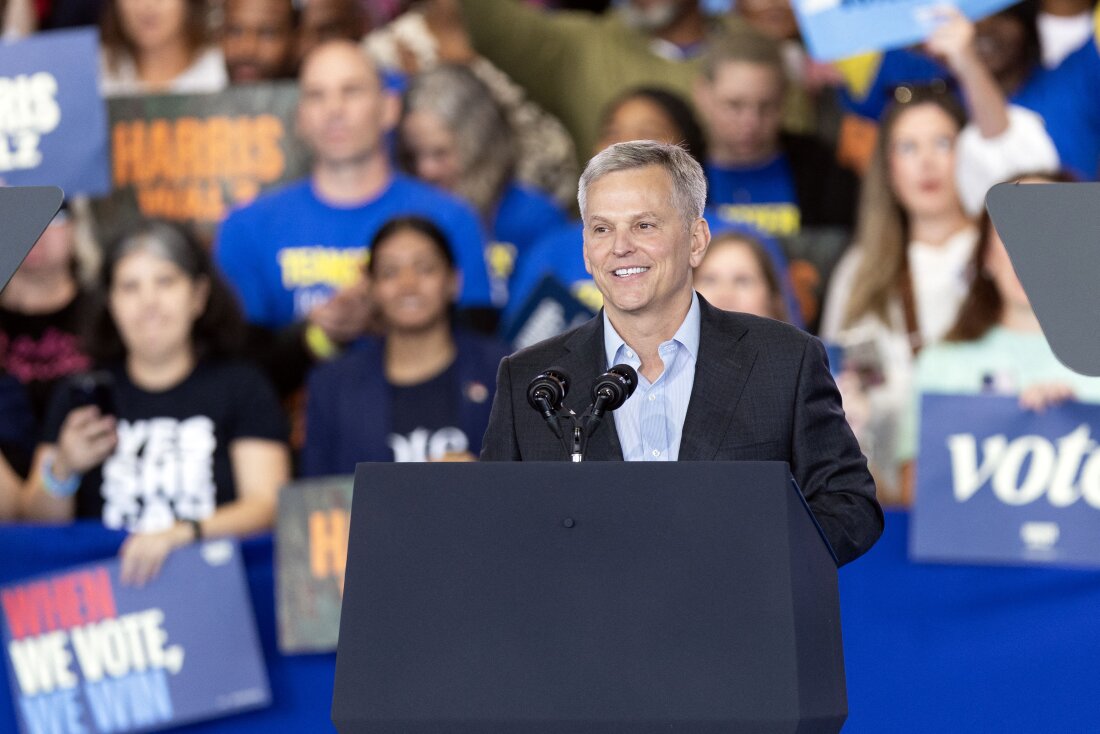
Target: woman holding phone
x=174, y=440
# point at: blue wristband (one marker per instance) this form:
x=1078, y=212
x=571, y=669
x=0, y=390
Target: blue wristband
x=55, y=486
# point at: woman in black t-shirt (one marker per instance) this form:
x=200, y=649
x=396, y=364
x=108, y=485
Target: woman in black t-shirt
x=41, y=312
x=180, y=442
x=421, y=392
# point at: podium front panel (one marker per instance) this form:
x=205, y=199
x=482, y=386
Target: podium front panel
x=592, y=597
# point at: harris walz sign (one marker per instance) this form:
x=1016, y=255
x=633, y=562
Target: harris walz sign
x=191, y=158
x=53, y=123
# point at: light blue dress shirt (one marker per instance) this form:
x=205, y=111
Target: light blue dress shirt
x=651, y=422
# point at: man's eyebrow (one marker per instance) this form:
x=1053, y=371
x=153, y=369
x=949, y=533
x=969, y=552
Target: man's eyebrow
x=632, y=217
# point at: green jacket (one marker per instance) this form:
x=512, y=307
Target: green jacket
x=574, y=64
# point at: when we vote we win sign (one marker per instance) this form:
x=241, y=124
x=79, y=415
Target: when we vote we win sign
x=86, y=655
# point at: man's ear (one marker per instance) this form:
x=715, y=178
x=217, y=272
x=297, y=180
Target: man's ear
x=584, y=254
x=700, y=240
x=391, y=110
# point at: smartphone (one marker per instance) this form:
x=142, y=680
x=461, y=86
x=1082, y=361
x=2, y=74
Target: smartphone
x=93, y=388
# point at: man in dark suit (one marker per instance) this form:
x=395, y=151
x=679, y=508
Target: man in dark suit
x=712, y=385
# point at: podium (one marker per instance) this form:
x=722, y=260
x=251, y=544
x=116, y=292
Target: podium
x=25, y=212
x=559, y=598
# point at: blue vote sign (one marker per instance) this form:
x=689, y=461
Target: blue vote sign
x=548, y=311
x=999, y=484
x=53, y=122
x=87, y=655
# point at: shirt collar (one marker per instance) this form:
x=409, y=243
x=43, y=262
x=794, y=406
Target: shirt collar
x=686, y=336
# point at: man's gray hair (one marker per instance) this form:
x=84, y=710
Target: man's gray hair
x=689, y=183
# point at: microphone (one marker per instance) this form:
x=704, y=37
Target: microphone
x=612, y=389
x=545, y=394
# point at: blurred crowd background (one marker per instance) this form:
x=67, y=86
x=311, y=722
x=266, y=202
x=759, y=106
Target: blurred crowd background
x=168, y=380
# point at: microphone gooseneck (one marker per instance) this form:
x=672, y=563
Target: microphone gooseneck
x=609, y=392
x=545, y=394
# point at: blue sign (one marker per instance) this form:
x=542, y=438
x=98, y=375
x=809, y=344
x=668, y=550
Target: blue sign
x=86, y=655
x=999, y=484
x=53, y=122
x=548, y=311
x=837, y=29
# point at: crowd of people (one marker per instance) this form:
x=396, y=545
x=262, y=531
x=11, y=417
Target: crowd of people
x=169, y=388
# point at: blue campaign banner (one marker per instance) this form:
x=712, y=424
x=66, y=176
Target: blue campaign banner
x=53, y=122
x=548, y=311
x=87, y=655
x=999, y=484
x=837, y=29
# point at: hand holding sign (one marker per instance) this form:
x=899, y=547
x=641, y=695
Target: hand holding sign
x=143, y=554
x=1045, y=395
x=952, y=39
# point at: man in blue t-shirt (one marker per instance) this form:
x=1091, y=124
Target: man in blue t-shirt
x=756, y=174
x=295, y=256
x=788, y=186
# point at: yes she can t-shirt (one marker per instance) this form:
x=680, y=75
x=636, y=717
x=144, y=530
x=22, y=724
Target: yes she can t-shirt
x=172, y=458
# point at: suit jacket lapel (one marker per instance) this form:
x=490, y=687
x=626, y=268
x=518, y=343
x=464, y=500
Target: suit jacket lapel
x=722, y=368
x=584, y=361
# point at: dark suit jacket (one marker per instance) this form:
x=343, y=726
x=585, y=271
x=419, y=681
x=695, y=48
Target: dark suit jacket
x=762, y=392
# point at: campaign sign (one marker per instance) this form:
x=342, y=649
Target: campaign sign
x=53, y=123
x=190, y=158
x=87, y=655
x=311, y=552
x=548, y=311
x=999, y=484
x=837, y=29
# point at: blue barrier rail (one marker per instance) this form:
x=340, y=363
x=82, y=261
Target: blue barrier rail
x=929, y=648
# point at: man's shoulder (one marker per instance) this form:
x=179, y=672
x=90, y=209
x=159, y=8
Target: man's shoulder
x=408, y=192
x=280, y=199
x=757, y=328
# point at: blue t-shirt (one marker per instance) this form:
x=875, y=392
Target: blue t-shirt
x=762, y=196
x=1068, y=98
x=522, y=217
x=288, y=251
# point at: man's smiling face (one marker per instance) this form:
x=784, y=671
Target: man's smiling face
x=637, y=246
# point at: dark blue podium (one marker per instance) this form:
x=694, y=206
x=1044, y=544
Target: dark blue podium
x=587, y=599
